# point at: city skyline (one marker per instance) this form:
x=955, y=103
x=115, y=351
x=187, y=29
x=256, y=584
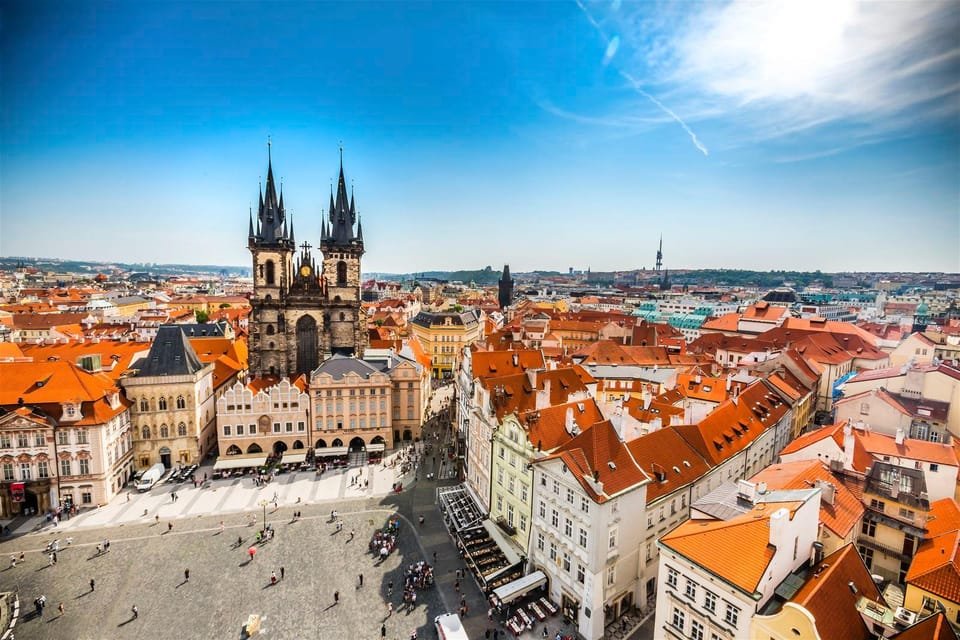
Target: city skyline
x=822, y=137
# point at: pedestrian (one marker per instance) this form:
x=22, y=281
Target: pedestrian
x=273, y=578
x=169, y=527
x=383, y=631
x=336, y=597
x=99, y=549
x=21, y=555
x=458, y=574
x=92, y=585
x=434, y=557
x=390, y=588
x=490, y=613
x=52, y=561
x=389, y=609
x=186, y=575
x=106, y=545
x=239, y=541
x=456, y=586
x=545, y=632
x=351, y=536
x=135, y=611
x=156, y=518
x=221, y=526
x=13, y=561
x=60, y=608
x=361, y=579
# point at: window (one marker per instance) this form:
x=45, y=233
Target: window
x=539, y=541
x=612, y=576
x=732, y=615
x=510, y=484
x=8, y=471
x=146, y=433
x=555, y=519
x=678, y=619
x=553, y=550
x=226, y=430
x=583, y=537
x=696, y=630
x=276, y=427
x=182, y=429
x=500, y=476
x=84, y=466
x=649, y=521
x=144, y=406
x=710, y=602
x=523, y=492
x=181, y=402
x=164, y=431
x=63, y=437
x=556, y=488
x=672, y=575
x=5, y=441
x=239, y=429
x=543, y=510
x=569, y=495
x=612, y=540
x=566, y=562
x=66, y=468
x=864, y=408
x=86, y=497
x=288, y=427
x=25, y=471
x=500, y=504
x=43, y=469
x=581, y=573
x=523, y=522
x=876, y=504
x=584, y=505
x=301, y=426
x=39, y=440
x=934, y=467
x=691, y=590
x=162, y=404
x=906, y=514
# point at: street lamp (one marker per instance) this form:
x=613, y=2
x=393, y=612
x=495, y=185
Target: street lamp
x=264, y=503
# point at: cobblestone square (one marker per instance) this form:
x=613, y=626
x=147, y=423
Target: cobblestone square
x=145, y=567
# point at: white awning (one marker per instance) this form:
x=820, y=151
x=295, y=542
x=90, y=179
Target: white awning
x=326, y=452
x=507, y=547
x=377, y=446
x=240, y=461
x=294, y=458
x=519, y=587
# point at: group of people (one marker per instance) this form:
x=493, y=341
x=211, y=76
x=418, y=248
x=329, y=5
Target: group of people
x=383, y=542
x=419, y=576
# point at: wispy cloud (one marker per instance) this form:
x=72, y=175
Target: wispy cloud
x=612, y=46
x=782, y=70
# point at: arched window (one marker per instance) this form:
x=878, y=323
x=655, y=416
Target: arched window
x=271, y=276
x=269, y=329
x=181, y=402
x=164, y=431
x=162, y=403
x=181, y=429
x=341, y=274
x=342, y=316
x=144, y=405
x=146, y=433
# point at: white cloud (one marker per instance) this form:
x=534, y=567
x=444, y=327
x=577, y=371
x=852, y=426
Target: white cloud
x=787, y=68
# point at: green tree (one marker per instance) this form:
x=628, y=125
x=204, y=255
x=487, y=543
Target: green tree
x=201, y=316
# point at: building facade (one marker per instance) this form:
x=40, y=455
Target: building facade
x=265, y=416
x=444, y=335
x=302, y=312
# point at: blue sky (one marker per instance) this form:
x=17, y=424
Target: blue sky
x=816, y=135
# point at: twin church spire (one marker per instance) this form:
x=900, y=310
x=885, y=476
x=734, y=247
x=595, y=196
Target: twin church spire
x=272, y=225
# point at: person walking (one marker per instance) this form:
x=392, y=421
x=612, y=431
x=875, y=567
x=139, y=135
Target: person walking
x=273, y=578
x=21, y=557
x=361, y=579
x=389, y=609
x=282, y=572
x=186, y=575
x=135, y=611
x=221, y=526
x=336, y=597
x=169, y=527
x=93, y=584
x=383, y=631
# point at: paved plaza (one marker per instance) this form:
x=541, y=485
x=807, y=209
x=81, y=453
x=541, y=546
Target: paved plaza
x=145, y=567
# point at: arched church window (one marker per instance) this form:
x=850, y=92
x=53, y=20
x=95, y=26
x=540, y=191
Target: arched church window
x=271, y=276
x=269, y=329
x=341, y=273
x=162, y=402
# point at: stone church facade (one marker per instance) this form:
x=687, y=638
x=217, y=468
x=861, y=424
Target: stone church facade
x=303, y=312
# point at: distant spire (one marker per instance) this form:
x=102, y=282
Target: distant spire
x=353, y=209
x=332, y=206
x=360, y=231
x=250, y=233
x=292, y=239
x=323, y=227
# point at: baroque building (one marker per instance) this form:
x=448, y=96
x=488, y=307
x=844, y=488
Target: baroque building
x=303, y=312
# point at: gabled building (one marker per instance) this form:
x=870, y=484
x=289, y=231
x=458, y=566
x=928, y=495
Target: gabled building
x=933, y=581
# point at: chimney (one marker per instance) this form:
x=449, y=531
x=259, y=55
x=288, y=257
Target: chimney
x=899, y=437
x=828, y=492
x=647, y=398
x=780, y=528
x=516, y=359
x=729, y=381
x=848, y=446
x=569, y=423
x=543, y=396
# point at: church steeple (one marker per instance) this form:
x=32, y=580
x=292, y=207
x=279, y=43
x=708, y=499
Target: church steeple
x=271, y=215
x=343, y=212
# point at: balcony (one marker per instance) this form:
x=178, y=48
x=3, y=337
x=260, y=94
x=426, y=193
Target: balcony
x=870, y=543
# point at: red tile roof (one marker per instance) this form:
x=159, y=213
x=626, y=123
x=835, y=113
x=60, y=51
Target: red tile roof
x=936, y=565
x=669, y=460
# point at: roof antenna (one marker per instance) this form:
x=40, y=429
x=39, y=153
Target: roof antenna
x=269, y=145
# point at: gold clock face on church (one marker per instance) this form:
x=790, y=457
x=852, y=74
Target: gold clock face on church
x=305, y=271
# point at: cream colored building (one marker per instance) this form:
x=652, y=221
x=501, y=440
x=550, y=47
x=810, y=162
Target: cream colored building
x=265, y=416
x=64, y=437
x=445, y=334
x=173, y=411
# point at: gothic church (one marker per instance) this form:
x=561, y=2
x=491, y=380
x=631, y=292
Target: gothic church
x=302, y=312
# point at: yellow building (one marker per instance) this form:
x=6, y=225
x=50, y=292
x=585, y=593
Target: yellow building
x=444, y=334
x=934, y=577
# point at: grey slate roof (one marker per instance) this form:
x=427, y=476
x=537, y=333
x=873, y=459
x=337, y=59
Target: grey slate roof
x=337, y=366
x=208, y=330
x=723, y=502
x=170, y=355
x=465, y=318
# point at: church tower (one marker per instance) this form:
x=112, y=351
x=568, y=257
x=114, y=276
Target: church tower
x=271, y=246
x=344, y=327
x=505, y=288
